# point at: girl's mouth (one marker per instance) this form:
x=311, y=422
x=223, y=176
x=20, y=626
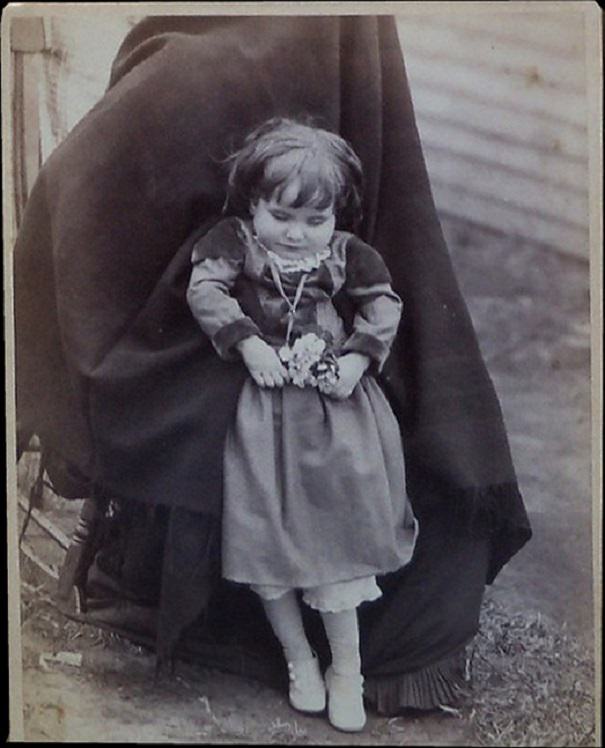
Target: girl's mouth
x=292, y=247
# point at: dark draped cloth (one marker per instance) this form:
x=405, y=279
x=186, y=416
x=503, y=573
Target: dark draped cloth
x=131, y=404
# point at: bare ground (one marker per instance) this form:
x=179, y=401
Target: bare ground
x=530, y=309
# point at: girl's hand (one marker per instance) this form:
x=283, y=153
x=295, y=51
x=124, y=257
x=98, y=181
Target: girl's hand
x=351, y=368
x=262, y=362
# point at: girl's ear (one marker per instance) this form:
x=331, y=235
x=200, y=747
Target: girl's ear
x=253, y=206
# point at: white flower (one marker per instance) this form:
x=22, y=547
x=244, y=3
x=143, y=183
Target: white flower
x=285, y=353
x=309, y=345
x=309, y=363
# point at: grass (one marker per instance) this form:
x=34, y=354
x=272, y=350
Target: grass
x=532, y=683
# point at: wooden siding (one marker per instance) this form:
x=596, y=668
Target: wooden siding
x=501, y=106
x=500, y=100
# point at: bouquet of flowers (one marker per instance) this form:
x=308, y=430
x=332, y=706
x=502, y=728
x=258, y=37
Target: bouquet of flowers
x=310, y=362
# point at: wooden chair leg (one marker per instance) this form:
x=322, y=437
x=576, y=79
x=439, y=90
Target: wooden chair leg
x=79, y=556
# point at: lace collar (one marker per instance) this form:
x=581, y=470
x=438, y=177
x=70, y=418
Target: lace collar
x=305, y=264
x=284, y=265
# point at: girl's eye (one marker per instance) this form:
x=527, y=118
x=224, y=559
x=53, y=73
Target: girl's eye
x=279, y=216
x=317, y=221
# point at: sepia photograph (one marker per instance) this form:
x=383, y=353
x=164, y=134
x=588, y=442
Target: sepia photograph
x=303, y=343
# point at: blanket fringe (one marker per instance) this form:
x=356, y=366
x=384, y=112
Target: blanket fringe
x=496, y=512
x=487, y=508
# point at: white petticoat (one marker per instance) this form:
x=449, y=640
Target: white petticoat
x=328, y=598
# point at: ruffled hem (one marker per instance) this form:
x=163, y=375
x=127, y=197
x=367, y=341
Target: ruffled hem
x=435, y=685
x=334, y=598
x=328, y=598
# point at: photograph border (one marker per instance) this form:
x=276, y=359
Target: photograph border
x=593, y=21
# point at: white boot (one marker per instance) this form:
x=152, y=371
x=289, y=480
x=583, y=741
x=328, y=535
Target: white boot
x=307, y=688
x=345, y=701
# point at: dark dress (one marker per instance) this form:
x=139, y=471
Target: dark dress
x=130, y=401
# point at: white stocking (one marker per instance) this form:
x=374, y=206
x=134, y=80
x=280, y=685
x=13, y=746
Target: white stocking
x=342, y=631
x=285, y=617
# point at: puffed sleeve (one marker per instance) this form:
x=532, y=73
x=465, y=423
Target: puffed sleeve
x=218, y=260
x=377, y=307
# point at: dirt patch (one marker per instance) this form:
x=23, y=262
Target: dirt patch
x=530, y=683
x=112, y=695
x=531, y=308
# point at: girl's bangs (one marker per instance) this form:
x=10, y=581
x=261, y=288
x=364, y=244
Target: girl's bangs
x=317, y=184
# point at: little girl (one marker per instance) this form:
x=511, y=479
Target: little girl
x=314, y=486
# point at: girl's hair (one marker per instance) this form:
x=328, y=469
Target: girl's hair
x=281, y=150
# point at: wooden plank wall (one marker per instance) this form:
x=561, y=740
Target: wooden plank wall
x=500, y=100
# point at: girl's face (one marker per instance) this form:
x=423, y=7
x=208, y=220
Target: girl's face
x=289, y=231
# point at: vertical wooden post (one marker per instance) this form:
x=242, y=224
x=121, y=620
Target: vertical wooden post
x=28, y=42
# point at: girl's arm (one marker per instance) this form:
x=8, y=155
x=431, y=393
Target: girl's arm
x=377, y=307
x=377, y=315
x=218, y=260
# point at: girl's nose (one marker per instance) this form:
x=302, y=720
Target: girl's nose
x=294, y=231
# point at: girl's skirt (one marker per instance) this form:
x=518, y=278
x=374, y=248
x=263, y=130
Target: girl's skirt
x=314, y=488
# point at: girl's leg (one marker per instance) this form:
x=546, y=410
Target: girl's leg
x=307, y=690
x=342, y=631
x=343, y=678
x=285, y=617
